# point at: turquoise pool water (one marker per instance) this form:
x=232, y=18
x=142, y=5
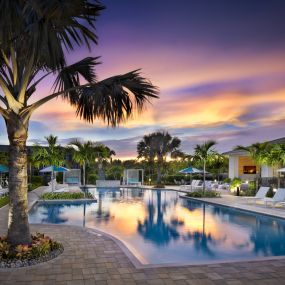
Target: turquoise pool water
x=159, y=227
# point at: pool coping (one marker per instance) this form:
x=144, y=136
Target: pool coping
x=65, y=200
x=232, y=207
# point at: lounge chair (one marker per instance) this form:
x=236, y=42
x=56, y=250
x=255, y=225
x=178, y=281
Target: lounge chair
x=3, y=191
x=208, y=185
x=260, y=194
x=194, y=184
x=278, y=198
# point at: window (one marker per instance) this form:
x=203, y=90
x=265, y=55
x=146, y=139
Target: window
x=249, y=170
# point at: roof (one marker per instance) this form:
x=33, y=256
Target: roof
x=245, y=153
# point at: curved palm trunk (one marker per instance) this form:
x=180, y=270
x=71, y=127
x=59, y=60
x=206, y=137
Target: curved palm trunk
x=18, y=225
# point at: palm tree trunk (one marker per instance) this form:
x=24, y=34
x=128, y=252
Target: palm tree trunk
x=204, y=175
x=159, y=162
x=84, y=173
x=18, y=224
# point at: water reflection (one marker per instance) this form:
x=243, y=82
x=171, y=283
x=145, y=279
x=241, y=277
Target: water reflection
x=161, y=227
x=157, y=230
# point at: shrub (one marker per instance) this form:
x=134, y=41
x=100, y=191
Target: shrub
x=235, y=182
x=92, y=177
x=41, y=245
x=36, y=181
x=206, y=194
x=66, y=196
x=4, y=200
x=227, y=180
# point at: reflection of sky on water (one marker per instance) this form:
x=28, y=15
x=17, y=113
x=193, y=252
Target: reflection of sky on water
x=160, y=227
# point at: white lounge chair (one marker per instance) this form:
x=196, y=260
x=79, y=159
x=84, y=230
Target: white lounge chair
x=278, y=198
x=208, y=185
x=260, y=194
x=3, y=191
x=190, y=187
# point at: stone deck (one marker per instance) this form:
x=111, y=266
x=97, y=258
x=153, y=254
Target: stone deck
x=90, y=258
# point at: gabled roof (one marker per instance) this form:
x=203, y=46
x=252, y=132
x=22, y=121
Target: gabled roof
x=245, y=153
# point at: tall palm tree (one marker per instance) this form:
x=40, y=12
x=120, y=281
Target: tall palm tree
x=158, y=145
x=35, y=37
x=52, y=155
x=83, y=153
x=259, y=154
x=204, y=152
x=101, y=154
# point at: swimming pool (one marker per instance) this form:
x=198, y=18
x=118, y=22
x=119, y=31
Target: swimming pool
x=159, y=227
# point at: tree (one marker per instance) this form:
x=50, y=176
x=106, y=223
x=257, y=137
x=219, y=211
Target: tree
x=101, y=154
x=258, y=152
x=158, y=145
x=204, y=152
x=83, y=153
x=218, y=162
x=35, y=36
x=52, y=155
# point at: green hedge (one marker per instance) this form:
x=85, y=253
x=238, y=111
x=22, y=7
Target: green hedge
x=65, y=195
x=206, y=194
x=92, y=177
x=4, y=200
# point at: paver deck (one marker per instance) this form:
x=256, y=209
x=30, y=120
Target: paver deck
x=89, y=258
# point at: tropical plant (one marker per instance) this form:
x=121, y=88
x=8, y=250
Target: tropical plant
x=102, y=153
x=83, y=153
x=259, y=154
x=158, y=145
x=35, y=36
x=217, y=163
x=204, y=152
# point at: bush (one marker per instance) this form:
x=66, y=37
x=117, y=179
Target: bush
x=36, y=181
x=206, y=194
x=235, y=182
x=66, y=196
x=227, y=180
x=4, y=200
x=41, y=246
x=92, y=178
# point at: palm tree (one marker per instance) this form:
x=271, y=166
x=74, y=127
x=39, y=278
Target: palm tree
x=217, y=163
x=83, y=153
x=204, y=152
x=52, y=155
x=35, y=36
x=158, y=145
x=102, y=153
x=259, y=154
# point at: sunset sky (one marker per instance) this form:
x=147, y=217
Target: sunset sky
x=219, y=65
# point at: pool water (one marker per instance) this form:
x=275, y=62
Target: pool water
x=159, y=227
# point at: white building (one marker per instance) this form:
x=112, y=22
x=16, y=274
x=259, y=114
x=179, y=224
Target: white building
x=242, y=166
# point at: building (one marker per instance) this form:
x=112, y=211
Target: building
x=242, y=166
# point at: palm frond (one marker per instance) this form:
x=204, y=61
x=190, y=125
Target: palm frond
x=114, y=99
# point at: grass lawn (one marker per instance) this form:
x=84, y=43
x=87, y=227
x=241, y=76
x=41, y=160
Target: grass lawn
x=4, y=200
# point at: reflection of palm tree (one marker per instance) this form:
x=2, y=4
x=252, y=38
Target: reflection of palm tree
x=268, y=237
x=53, y=213
x=157, y=231
x=101, y=214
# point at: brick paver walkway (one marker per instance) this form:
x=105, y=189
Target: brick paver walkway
x=96, y=259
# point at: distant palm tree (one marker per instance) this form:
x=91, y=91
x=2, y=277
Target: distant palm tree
x=35, y=36
x=83, y=153
x=204, y=152
x=259, y=154
x=52, y=155
x=158, y=145
x=102, y=153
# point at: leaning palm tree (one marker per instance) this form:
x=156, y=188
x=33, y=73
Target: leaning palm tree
x=83, y=153
x=158, y=145
x=204, y=152
x=35, y=37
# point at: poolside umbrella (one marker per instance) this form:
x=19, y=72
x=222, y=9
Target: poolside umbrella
x=3, y=169
x=191, y=170
x=53, y=169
